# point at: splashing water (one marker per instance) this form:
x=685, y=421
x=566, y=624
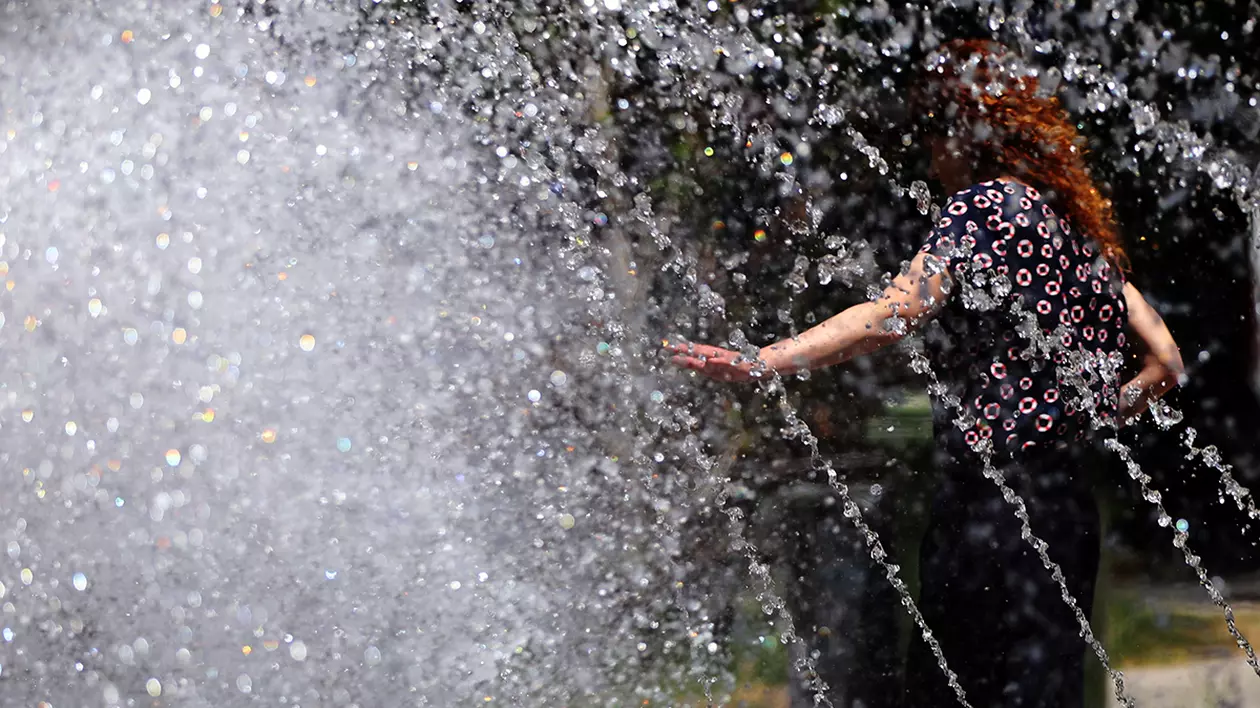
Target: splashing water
x=210, y=264
x=221, y=224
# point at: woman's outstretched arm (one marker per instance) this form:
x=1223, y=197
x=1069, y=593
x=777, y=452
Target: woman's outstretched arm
x=1162, y=368
x=910, y=301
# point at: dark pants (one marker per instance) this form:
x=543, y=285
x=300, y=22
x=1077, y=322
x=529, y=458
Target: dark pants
x=997, y=612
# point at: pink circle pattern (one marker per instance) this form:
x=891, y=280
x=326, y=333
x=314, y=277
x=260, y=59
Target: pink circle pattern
x=1006, y=229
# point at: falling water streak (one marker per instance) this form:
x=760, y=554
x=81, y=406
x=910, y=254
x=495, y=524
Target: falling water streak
x=799, y=428
x=671, y=531
x=1212, y=458
x=984, y=448
x=770, y=599
x=1166, y=417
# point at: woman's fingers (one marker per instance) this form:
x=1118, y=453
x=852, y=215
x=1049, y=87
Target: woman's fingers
x=705, y=351
x=688, y=362
x=713, y=362
x=691, y=349
x=710, y=368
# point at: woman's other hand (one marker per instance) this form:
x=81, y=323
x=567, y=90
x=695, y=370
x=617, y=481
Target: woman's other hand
x=715, y=362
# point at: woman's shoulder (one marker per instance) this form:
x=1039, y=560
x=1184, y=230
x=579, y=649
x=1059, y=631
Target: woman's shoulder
x=976, y=201
x=996, y=191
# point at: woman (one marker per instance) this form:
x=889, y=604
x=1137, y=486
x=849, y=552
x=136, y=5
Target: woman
x=1024, y=272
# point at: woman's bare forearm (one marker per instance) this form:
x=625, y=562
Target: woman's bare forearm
x=856, y=331
x=911, y=299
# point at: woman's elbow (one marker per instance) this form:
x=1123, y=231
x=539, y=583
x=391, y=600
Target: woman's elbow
x=1175, y=369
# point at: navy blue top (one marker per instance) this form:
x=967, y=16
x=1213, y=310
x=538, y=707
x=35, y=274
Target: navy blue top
x=1001, y=241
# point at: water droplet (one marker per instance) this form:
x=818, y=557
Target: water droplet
x=51, y=254
x=567, y=521
x=131, y=336
x=71, y=427
x=94, y=307
x=27, y=576
x=268, y=435
x=195, y=299
x=244, y=684
x=343, y=444
x=173, y=457
x=297, y=650
x=1183, y=525
x=559, y=378
x=179, y=336
x=307, y=342
x=80, y=582
x=163, y=240
x=28, y=415
x=194, y=265
x=154, y=687
x=143, y=96
x=534, y=396
x=202, y=51
x=372, y=656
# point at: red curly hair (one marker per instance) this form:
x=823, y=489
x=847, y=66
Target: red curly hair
x=980, y=91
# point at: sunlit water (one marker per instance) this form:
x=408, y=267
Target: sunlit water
x=318, y=389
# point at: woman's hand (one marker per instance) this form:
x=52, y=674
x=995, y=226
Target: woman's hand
x=715, y=362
